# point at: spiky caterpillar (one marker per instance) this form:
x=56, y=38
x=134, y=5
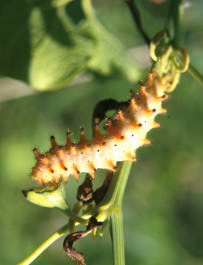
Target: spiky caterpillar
x=126, y=131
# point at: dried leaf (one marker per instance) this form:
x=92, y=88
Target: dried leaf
x=71, y=238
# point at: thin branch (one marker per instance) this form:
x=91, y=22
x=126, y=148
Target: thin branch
x=136, y=16
x=195, y=74
x=173, y=22
x=51, y=239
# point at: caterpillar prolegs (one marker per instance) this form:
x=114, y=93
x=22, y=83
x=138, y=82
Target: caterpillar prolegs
x=126, y=131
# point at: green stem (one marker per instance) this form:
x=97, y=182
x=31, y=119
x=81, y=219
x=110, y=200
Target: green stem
x=76, y=209
x=116, y=228
x=116, y=214
x=113, y=201
x=56, y=235
x=73, y=216
x=173, y=22
x=88, y=9
x=111, y=207
x=114, y=195
x=122, y=176
x=196, y=74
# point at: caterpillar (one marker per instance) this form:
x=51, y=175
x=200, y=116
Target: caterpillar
x=125, y=132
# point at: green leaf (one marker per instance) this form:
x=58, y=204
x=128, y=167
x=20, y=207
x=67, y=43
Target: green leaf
x=40, y=44
x=55, y=63
x=51, y=195
x=46, y=43
x=109, y=53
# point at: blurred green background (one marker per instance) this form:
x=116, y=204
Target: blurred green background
x=163, y=203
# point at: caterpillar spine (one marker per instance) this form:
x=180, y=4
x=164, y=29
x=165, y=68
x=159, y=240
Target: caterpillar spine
x=126, y=131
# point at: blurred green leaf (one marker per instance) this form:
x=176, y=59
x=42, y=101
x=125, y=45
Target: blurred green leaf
x=58, y=3
x=55, y=63
x=51, y=195
x=43, y=44
x=109, y=53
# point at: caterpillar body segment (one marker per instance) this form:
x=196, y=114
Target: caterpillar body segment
x=126, y=131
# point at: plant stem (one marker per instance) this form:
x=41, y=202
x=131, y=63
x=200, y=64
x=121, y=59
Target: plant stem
x=173, y=22
x=56, y=235
x=116, y=214
x=113, y=201
x=136, y=16
x=196, y=74
x=114, y=195
x=88, y=9
x=116, y=229
x=122, y=177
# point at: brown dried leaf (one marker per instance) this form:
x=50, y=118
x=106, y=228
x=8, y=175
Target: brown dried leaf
x=71, y=252
x=71, y=238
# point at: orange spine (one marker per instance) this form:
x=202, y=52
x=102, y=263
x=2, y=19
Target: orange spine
x=126, y=131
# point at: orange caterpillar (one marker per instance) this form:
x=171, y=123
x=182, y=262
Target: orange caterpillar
x=126, y=131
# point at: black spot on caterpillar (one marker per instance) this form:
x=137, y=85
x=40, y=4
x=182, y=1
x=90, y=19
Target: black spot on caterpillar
x=125, y=132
